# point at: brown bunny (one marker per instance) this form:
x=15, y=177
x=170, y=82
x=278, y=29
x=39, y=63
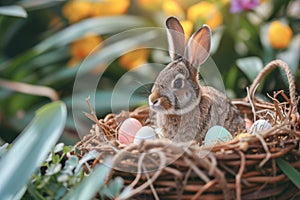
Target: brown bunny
x=183, y=109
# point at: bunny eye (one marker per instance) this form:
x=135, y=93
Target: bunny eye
x=178, y=83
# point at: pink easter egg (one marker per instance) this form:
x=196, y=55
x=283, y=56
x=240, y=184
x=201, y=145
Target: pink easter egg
x=248, y=124
x=128, y=130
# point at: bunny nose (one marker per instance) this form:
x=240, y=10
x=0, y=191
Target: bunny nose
x=154, y=99
x=156, y=102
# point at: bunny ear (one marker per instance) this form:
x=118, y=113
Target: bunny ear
x=176, y=38
x=197, y=49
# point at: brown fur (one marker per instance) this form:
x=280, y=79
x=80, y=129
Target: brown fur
x=187, y=111
x=213, y=109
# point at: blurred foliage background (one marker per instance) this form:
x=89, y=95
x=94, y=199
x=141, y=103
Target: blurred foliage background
x=43, y=43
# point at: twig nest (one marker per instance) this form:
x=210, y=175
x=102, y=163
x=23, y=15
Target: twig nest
x=128, y=130
x=259, y=126
x=244, y=136
x=217, y=134
x=243, y=139
x=145, y=133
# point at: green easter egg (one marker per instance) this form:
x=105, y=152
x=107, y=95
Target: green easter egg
x=217, y=134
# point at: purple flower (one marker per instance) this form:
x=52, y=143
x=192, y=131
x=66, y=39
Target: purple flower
x=241, y=5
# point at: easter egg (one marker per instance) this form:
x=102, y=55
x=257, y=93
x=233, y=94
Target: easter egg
x=259, y=126
x=248, y=124
x=217, y=134
x=145, y=133
x=128, y=130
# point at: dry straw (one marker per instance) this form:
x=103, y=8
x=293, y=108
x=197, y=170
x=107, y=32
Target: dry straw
x=244, y=168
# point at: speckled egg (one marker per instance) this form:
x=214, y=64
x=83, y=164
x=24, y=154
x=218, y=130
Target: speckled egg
x=128, y=130
x=259, y=126
x=145, y=133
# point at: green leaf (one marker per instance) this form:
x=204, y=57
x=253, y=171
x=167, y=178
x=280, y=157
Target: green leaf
x=126, y=193
x=71, y=163
x=53, y=169
x=125, y=42
x=60, y=193
x=15, y=11
x=112, y=49
x=291, y=56
x=12, y=66
x=289, y=171
x=3, y=149
x=105, y=101
x=251, y=66
x=99, y=25
x=216, y=39
x=31, y=148
x=58, y=148
x=88, y=188
x=38, y=4
x=21, y=193
x=55, y=159
x=268, y=51
x=113, y=189
x=48, y=58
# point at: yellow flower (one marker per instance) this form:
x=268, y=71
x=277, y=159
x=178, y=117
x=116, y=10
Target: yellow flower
x=205, y=12
x=279, y=35
x=76, y=10
x=151, y=5
x=81, y=48
x=109, y=7
x=187, y=27
x=173, y=8
x=134, y=58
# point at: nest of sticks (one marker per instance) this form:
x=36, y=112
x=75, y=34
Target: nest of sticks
x=244, y=168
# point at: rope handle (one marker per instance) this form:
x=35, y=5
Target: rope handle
x=269, y=67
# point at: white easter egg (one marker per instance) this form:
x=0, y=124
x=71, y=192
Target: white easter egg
x=145, y=133
x=217, y=134
x=128, y=130
x=259, y=126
